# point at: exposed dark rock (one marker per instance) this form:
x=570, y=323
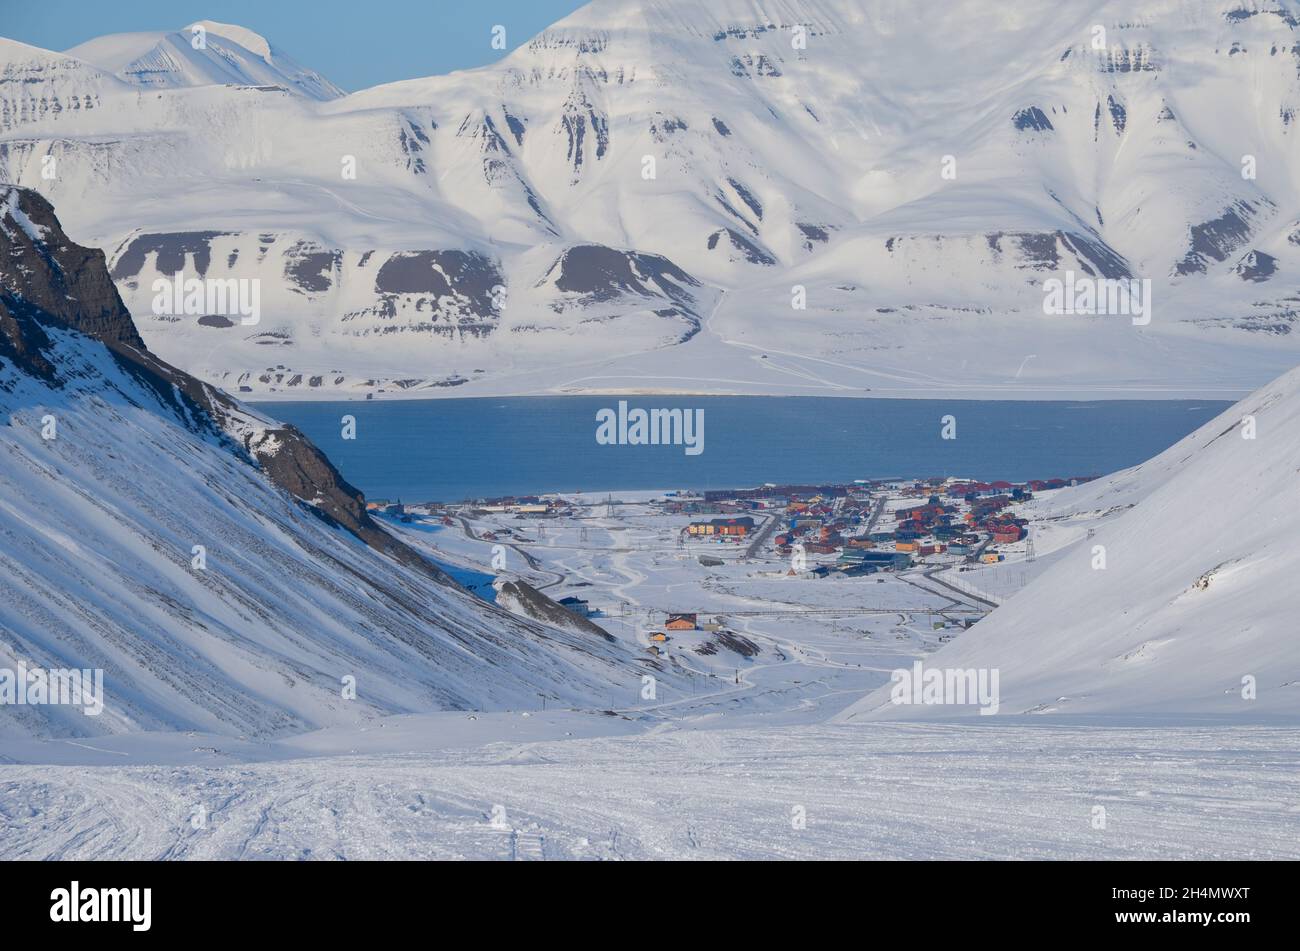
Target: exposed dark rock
x=1256, y=266
x=1032, y=119
x=600, y=274
x=516, y=127
x=523, y=598
x=747, y=197
x=811, y=233
x=750, y=251
x=172, y=249
x=735, y=213
x=743, y=33
x=310, y=268
x=46, y=280
x=463, y=276
x=665, y=126
x=579, y=115
x=411, y=139
x=1042, y=251
x=1215, y=239
x=730, y=640
x=748, y=66
x=1241, y=14
x=1118, y=116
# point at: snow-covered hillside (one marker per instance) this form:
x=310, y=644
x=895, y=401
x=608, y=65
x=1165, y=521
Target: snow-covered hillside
x=202, y=54
x=1174, y=597
x=634, y=198
x=211, y=561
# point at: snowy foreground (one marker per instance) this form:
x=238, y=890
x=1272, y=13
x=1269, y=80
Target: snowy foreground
x=882, y=791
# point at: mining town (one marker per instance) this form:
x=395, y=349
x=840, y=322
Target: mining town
x=728, y=582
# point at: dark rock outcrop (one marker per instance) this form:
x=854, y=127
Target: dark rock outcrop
x=1215, y=239
x=522, y=598
x=743, y=246
x=1256, y=266
x=600, y=273
x=1031, y=119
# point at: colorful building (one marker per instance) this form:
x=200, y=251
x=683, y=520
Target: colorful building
x=737, y=527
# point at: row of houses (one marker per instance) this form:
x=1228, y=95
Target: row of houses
x=522, y=505
x=1017, y=490
x=729, y=527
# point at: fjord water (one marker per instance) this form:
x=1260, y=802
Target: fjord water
x=452, y=449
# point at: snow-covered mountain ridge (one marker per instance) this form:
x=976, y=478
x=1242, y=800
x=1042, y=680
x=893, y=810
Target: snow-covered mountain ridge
x=210, y=561
x=637, y=195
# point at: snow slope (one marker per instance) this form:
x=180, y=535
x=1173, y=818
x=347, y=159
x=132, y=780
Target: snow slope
x=202, y=54
x=503, y=233
x=1195, y=596
x=892, y=792
x=114, y=467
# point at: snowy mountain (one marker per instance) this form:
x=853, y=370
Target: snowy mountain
x=784, y=196
x=210, y=561
x=204, y=53
x=1173, y=596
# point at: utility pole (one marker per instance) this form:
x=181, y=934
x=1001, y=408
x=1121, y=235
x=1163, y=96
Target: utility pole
x=624, y=610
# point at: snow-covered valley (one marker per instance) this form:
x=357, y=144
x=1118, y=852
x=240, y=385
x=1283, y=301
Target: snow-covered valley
x=739, y=760
x=843, y=198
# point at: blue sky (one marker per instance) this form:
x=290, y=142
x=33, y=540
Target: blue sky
x=355, y=43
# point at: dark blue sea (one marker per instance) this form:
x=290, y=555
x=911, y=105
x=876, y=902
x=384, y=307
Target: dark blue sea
x=453, y=449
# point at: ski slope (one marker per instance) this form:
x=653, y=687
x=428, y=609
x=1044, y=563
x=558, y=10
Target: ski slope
x=884, y=792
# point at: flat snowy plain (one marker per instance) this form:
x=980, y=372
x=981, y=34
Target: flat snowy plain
x=884, y=791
